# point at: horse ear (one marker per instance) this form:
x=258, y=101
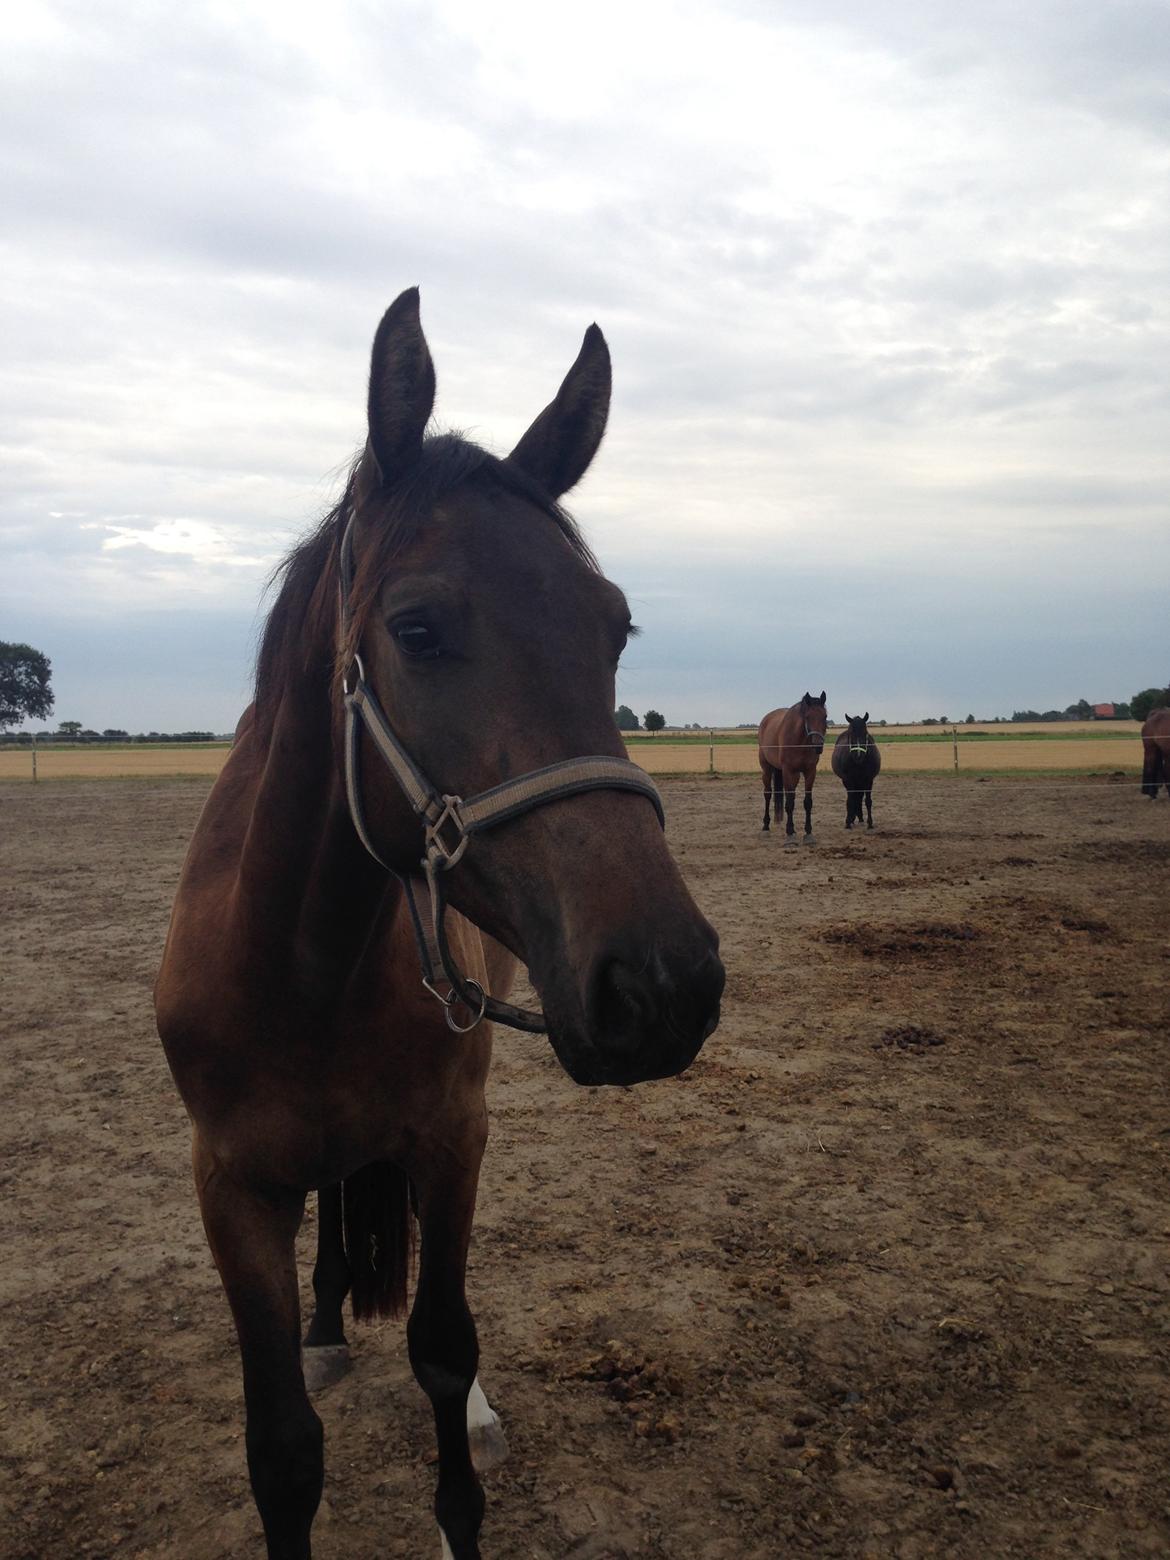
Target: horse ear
x=866, y=715
x=402, y=386
x=557, y=449
x=848, y=718
x=822, y=698
x=806, y=700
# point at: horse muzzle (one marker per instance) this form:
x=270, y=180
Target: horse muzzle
x=643, y=1019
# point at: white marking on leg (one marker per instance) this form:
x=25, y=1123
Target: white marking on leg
x=479, y=1411
x=485, y=1434
x=446, y=1551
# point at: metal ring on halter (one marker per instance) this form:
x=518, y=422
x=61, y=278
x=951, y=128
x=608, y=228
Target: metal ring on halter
x=356, y=662
x=449, y=1005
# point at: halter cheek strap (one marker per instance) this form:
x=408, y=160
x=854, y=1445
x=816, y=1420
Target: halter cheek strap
x=450, y=824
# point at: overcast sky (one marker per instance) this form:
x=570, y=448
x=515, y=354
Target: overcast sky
x=885, y=284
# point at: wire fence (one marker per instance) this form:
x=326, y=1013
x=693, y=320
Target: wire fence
x=985, y=755
x=1085, y=760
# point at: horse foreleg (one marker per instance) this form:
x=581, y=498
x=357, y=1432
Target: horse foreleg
x=326, y=1351
x=769, y=782
x=1152, y=767
x=868, y=809
x=789, y=808
x=444, y=1354
x=252, y=1238
x=809, y=838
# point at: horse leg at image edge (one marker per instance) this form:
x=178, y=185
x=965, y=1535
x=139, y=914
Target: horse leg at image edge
x=325, y=1354
x=252, y=1239
x=769, y=783
x=444, y=1354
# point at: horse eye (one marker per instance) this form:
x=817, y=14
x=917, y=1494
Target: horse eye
x=417, y=640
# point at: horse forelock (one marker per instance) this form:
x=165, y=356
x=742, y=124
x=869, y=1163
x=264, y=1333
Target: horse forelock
x=300, y=634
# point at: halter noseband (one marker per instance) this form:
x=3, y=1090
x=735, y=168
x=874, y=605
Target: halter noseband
x=450, y=822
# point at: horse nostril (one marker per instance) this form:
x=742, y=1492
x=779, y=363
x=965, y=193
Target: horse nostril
x=623, y=999
x=654, y=1003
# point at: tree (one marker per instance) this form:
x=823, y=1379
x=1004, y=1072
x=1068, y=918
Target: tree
x=970, y=721
x=69, y=728
x=1149, y=699
x=24, y=684
x=626, y=719
x=653, y=721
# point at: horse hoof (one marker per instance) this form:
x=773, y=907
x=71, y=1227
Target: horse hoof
x=488, y=1445
x=790, y=840
x=810, y=839
x=325, y=1365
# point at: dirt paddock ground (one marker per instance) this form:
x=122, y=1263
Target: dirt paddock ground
x=883, y=1275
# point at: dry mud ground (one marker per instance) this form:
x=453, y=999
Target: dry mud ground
x=885, y=1274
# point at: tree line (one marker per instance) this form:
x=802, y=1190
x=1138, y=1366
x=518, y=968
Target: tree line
x=1136, y=708
x=628, y=721
x=72, y=731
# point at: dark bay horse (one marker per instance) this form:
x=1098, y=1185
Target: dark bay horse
x=856, y=761
x=790, y=746
x=444, y=634
x=1156, y=751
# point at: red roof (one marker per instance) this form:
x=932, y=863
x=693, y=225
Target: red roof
x=1104, y=711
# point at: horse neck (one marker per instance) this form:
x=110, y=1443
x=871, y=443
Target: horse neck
x=307, y=888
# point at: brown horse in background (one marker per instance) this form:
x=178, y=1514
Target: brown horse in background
x=856, y=761
x=445, y=620
x=1156, y=751
x=791, y=742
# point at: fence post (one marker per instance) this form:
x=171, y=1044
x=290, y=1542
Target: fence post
x=710, y=753
x=34, y=754
x=955, y=744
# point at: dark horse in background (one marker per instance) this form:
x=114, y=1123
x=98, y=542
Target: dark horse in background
x=1156, y=751
x=856, y=761
x=791, y=741
x=445, y=620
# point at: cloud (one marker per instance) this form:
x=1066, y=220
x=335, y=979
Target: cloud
x=881, y=282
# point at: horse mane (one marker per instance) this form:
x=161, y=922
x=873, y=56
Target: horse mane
x=299, y=638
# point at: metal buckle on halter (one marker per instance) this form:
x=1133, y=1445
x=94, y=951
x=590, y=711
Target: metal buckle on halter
x=437, y=849
x=452, y=999
x=354, y=665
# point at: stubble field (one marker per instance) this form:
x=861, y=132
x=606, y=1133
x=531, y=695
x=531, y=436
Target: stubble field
x=883, y=1275
x=1099, y=747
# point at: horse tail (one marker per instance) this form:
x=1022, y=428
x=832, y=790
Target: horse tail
x=379, y=1238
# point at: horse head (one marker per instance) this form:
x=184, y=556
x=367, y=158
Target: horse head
x=816, y=718
x=491, y=640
